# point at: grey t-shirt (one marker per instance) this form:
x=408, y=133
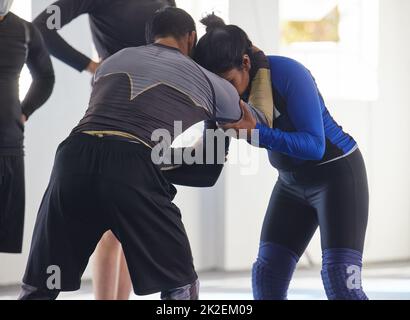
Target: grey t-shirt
x=140, y=90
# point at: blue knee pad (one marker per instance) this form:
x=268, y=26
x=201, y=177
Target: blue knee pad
x=341, y=274
x=273, y=272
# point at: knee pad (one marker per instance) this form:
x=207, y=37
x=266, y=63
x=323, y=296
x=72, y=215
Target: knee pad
x=273, y=271
x=189, y=292
x=341, y=274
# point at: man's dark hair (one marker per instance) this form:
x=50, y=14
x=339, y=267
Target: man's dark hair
x=169, y=22
x=171, y=3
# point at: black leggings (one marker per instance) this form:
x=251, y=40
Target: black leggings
x=333, y=196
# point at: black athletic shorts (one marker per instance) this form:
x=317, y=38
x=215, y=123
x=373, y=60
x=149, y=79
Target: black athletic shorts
x=12, y=203
x=333, y=197
x=101, y=184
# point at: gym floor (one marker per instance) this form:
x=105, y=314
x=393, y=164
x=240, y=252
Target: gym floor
x=381, y=282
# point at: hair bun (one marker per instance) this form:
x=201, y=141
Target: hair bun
x=212, y=22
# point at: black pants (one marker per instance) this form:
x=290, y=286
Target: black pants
x=333, y=197
x=101, y=184
x=12, y=203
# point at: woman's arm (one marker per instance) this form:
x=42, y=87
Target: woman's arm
x=299, y=89
x=304, y=109
x=300, y=92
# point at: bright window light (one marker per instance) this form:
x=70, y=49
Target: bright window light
x=338, y=41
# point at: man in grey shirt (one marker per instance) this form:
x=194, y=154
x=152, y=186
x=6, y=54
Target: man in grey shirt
x=104, y=177
x=144, y=89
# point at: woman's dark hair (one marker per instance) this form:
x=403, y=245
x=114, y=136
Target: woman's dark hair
x=223, y=46
x=169, y=21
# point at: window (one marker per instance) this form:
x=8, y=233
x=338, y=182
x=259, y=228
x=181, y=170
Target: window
x=337, y=40
x=321, y=29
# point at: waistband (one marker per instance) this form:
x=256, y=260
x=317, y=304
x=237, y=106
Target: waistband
x=117, y=135
x=330, y=169
x=356, y=147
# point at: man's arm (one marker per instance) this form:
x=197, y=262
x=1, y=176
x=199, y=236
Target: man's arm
x=207, y=174
x=41, y=69
x=58, y=47
x=227, y=103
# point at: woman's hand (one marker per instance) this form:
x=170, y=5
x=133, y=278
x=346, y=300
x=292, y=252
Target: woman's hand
x=248, y=122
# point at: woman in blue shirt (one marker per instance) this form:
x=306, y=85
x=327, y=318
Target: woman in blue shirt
x=322, y=176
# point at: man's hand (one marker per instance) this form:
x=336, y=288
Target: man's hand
x=248, y=122
x=92, y=67
x=23, y=119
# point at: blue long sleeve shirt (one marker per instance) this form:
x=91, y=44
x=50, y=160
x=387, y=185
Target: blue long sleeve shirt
x=304, y=131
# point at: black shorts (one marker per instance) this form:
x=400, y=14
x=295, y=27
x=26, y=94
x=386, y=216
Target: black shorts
x=333, y=197
x=101, y=184
x=12, y=203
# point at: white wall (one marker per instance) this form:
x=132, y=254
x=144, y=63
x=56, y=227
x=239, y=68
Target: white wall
x=247, y=196
x=260, y=20
x=202, y=208
x=383, y=133
x=389, y=234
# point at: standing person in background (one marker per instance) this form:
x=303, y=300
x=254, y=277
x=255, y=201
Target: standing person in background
x=20, y=43
x=115, y=25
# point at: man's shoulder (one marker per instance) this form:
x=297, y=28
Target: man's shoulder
x=16, y=20
x=19, y=26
